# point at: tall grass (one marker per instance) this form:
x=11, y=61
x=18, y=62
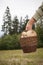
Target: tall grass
x=17, y=57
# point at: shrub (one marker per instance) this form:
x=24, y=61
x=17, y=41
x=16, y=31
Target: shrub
x=39, y=31
x=9, y=42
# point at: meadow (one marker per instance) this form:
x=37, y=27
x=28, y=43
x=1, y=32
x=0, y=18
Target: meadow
x=17, y=57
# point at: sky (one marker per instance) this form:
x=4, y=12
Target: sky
x=19, y=8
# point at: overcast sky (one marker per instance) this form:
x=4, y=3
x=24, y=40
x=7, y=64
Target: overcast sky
x=19, y=8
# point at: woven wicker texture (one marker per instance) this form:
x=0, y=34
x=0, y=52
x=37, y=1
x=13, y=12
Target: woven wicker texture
x=29, y=44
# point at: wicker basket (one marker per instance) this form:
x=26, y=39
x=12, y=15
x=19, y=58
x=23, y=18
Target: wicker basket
x=28, y=44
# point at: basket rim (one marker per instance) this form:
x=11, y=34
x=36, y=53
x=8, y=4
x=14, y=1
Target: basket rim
x=29, y=37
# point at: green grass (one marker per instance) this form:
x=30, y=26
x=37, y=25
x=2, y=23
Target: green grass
x=17, y=57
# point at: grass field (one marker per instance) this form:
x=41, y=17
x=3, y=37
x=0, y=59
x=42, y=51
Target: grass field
x=17, y=57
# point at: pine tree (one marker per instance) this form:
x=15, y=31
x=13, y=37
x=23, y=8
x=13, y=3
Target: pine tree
x=23, y=23
x=15, y=25
x=6, y=27
x=26, y=20
x=20, y=30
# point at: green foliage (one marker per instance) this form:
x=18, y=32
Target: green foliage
x=15, y=25
x=6, y=27
x=23, y=23
x=9, y=42
x=39, y=31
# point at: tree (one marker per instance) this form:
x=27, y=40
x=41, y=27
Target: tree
x=6, y=27
x=23, y=23
x=15, y=25
x=26, y=20
x=21, y=20
x=39, y=30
